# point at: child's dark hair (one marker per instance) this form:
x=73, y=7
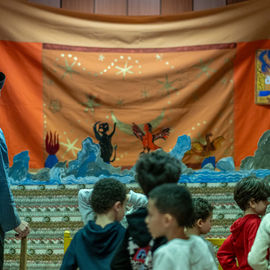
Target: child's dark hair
x=175, y=200
x=202, y=209
x=156, y=168
x=106, y=193
x=248, y=188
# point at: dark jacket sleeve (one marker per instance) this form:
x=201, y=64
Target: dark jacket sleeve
x=121, y=260
x=69, y=261
x=9, y=218
x=226, y=255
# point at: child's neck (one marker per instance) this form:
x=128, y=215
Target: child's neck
x=176, y=232
x=194, y=230
x=249, y=211
x=105, y=219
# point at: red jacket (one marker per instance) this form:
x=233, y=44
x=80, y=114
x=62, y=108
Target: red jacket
x=238, y=244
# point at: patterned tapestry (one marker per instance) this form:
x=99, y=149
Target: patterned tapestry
x=70, y=72
x=50, y=216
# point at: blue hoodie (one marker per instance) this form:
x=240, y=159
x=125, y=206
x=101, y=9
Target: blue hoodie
x=93, y=247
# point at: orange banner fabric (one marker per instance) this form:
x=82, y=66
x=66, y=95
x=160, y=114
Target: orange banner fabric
x=21, y=107
x=193, y=73
x=189, y=91
x=251, y=120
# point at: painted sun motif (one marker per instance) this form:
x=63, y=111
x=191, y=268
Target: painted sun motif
x=124, y=70
x=70, y=146
x=67, y=66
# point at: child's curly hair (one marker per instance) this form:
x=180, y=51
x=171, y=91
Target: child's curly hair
x=106, y=193
x=202, y=209
x=156, y=168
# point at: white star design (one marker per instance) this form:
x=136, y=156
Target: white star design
x=159, y=57
x=70, y=147
x=101, y=57
x=124, y=70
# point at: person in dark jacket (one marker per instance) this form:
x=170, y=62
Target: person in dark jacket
x=137, y=247
x=94, y=245
x=9, y=218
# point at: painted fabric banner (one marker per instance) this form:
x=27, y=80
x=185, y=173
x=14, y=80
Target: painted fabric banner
x=193, y=73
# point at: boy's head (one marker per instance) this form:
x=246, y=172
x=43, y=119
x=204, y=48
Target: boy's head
x=109, y=194
x=156, y=168
x=170, y=205
x=203, y=212
x=252, y=193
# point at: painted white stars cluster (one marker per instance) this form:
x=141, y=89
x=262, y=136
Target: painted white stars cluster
x=159, y=57
x=101, y=58
x=197, y=125
x=123, y=65
x=70, y=62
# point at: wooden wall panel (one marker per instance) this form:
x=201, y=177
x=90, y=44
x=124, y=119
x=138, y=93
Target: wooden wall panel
x=136, y=7
x=170, y=7
x=111, y=7
x=51, y=3
x=143, y=7
x=79, y=5
x=207, y=4
x=234, y=1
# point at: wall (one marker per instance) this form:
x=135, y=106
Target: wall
x=136, y=7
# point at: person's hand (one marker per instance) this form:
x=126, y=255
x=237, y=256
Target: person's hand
x=22, y=230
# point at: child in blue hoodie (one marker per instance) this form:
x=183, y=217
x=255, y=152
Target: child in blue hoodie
x=94, y=245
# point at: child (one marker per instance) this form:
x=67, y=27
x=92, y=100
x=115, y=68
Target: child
x=203, y=213
x=257, y=258
x=152, y=169
x=170, y=210
x=94, y=245
x=251, y=195
x=134, y=201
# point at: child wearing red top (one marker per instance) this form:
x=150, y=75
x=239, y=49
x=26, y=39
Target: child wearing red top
x=251, y=195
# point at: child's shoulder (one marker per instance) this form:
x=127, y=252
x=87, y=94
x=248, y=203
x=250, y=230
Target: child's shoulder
x=247, y=223
x=266, y=218
x=253, y=220
x=191, y=241
x=266, y=222
x=197, y=239
x=184, y=246
x=247, y=220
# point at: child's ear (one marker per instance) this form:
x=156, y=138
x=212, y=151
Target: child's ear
x=167, y=219
x=252, y=203
x=117, y=206
x=199, y=222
